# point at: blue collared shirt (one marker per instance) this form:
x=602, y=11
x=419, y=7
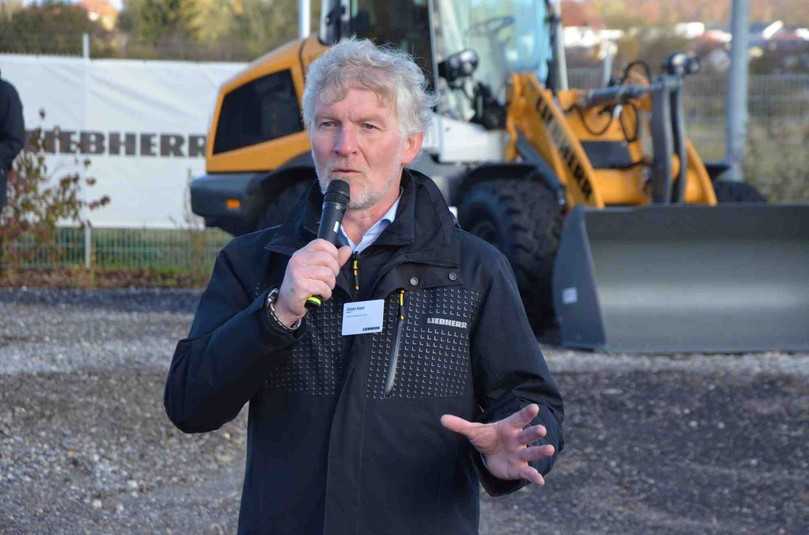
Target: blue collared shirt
x=373, y=233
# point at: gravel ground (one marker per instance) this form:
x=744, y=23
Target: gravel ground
x=655, y=444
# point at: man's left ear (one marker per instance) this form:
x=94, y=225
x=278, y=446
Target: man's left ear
x=412, y=147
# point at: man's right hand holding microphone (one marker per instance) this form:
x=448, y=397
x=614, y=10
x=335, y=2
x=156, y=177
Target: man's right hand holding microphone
x=312, y=271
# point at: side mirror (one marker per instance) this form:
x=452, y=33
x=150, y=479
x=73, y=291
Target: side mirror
x=681, y=64
x=693, y=65
x=456, y=67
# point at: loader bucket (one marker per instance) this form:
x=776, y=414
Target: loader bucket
x=728, y=278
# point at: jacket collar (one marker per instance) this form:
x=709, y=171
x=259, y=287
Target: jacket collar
x=422, y=229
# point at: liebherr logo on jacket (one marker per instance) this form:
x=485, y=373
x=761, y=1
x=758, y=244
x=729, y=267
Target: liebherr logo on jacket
x=447, y=322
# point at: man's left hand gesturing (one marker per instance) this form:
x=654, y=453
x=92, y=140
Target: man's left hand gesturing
x=505, y=444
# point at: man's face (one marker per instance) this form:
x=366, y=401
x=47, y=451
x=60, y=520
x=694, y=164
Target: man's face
x=357, y=139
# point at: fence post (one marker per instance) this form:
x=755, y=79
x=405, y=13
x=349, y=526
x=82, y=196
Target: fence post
x=88, y=245
x=559, y=65
x=736, y=107
x=85, y=45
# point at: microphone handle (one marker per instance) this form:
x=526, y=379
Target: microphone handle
x=329, y=230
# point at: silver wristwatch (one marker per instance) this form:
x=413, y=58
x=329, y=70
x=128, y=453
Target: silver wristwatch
x=272, y=297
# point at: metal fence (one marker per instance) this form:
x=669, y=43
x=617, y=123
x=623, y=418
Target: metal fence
x=100, y=46
x=187, y=250
x=42, y=43
x=772, y=95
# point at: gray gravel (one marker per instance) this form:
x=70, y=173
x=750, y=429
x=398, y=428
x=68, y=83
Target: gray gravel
x=70, y=330
x=655, y=444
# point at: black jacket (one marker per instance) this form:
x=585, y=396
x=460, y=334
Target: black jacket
x=12, y=128
x=328, y=450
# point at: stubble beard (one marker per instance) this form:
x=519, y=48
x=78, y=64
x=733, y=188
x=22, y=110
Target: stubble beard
x=361, y=200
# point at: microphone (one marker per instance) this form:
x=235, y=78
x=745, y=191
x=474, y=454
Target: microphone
x=335, y=204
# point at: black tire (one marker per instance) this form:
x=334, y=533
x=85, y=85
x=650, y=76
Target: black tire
x=523, y=219
x=280, y=206
x=728, y=191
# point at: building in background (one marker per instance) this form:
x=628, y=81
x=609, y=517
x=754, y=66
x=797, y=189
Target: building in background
x=101, y=11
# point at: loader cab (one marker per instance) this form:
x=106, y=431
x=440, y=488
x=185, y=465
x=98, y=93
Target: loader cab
x=402, y=24
x=506, y=36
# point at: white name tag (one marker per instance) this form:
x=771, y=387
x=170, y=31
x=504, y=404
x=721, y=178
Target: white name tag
x=363, y=317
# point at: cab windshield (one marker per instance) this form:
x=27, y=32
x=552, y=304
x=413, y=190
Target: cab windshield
x=508, y=36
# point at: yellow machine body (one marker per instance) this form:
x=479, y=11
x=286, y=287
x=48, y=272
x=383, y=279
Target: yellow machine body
x=556, y=128
x=293, y=57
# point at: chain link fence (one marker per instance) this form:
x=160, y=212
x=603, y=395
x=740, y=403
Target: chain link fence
x=104, y=46
x=42, y=43
x=185, y=250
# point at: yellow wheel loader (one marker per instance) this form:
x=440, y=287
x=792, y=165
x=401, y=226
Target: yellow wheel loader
x=619, y=236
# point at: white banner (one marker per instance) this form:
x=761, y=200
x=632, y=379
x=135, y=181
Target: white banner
x=142, y=125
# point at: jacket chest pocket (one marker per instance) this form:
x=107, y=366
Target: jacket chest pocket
x=423, y=351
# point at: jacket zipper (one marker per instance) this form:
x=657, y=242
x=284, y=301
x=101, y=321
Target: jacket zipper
x=355, y=269
x=394, y=357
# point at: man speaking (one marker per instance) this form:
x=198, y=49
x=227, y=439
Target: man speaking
x=416, y=377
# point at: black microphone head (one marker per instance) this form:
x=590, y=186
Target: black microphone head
x=335, y=204
x=337, y=192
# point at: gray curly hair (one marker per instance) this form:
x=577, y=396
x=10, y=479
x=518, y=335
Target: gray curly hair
x=389, y=73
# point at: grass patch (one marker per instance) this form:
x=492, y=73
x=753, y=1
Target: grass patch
x=776, y=160
x=81, y=277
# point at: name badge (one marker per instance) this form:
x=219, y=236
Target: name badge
x=363, y=317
